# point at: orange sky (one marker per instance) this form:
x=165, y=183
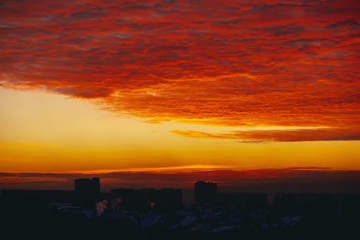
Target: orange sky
x=188, y=85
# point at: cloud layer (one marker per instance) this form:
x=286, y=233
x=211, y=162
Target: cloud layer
x=233, y=63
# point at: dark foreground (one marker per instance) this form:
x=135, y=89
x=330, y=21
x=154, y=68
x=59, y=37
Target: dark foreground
x=301, y=216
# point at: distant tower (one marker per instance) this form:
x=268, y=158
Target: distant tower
x=86, y=188
x=205, y=192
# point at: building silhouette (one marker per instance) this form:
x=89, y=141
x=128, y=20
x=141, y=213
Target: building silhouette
x=86, y=189
x=146, y=197
x=87, y=185
x=245, y=200
x=316, y=203
x=205, y=192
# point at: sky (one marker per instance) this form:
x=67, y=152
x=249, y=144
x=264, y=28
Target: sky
x=141, y=92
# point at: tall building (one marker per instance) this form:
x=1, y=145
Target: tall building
x=205, y=192
x=87, y=189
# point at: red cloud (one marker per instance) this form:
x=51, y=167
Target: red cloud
x=287, y=63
